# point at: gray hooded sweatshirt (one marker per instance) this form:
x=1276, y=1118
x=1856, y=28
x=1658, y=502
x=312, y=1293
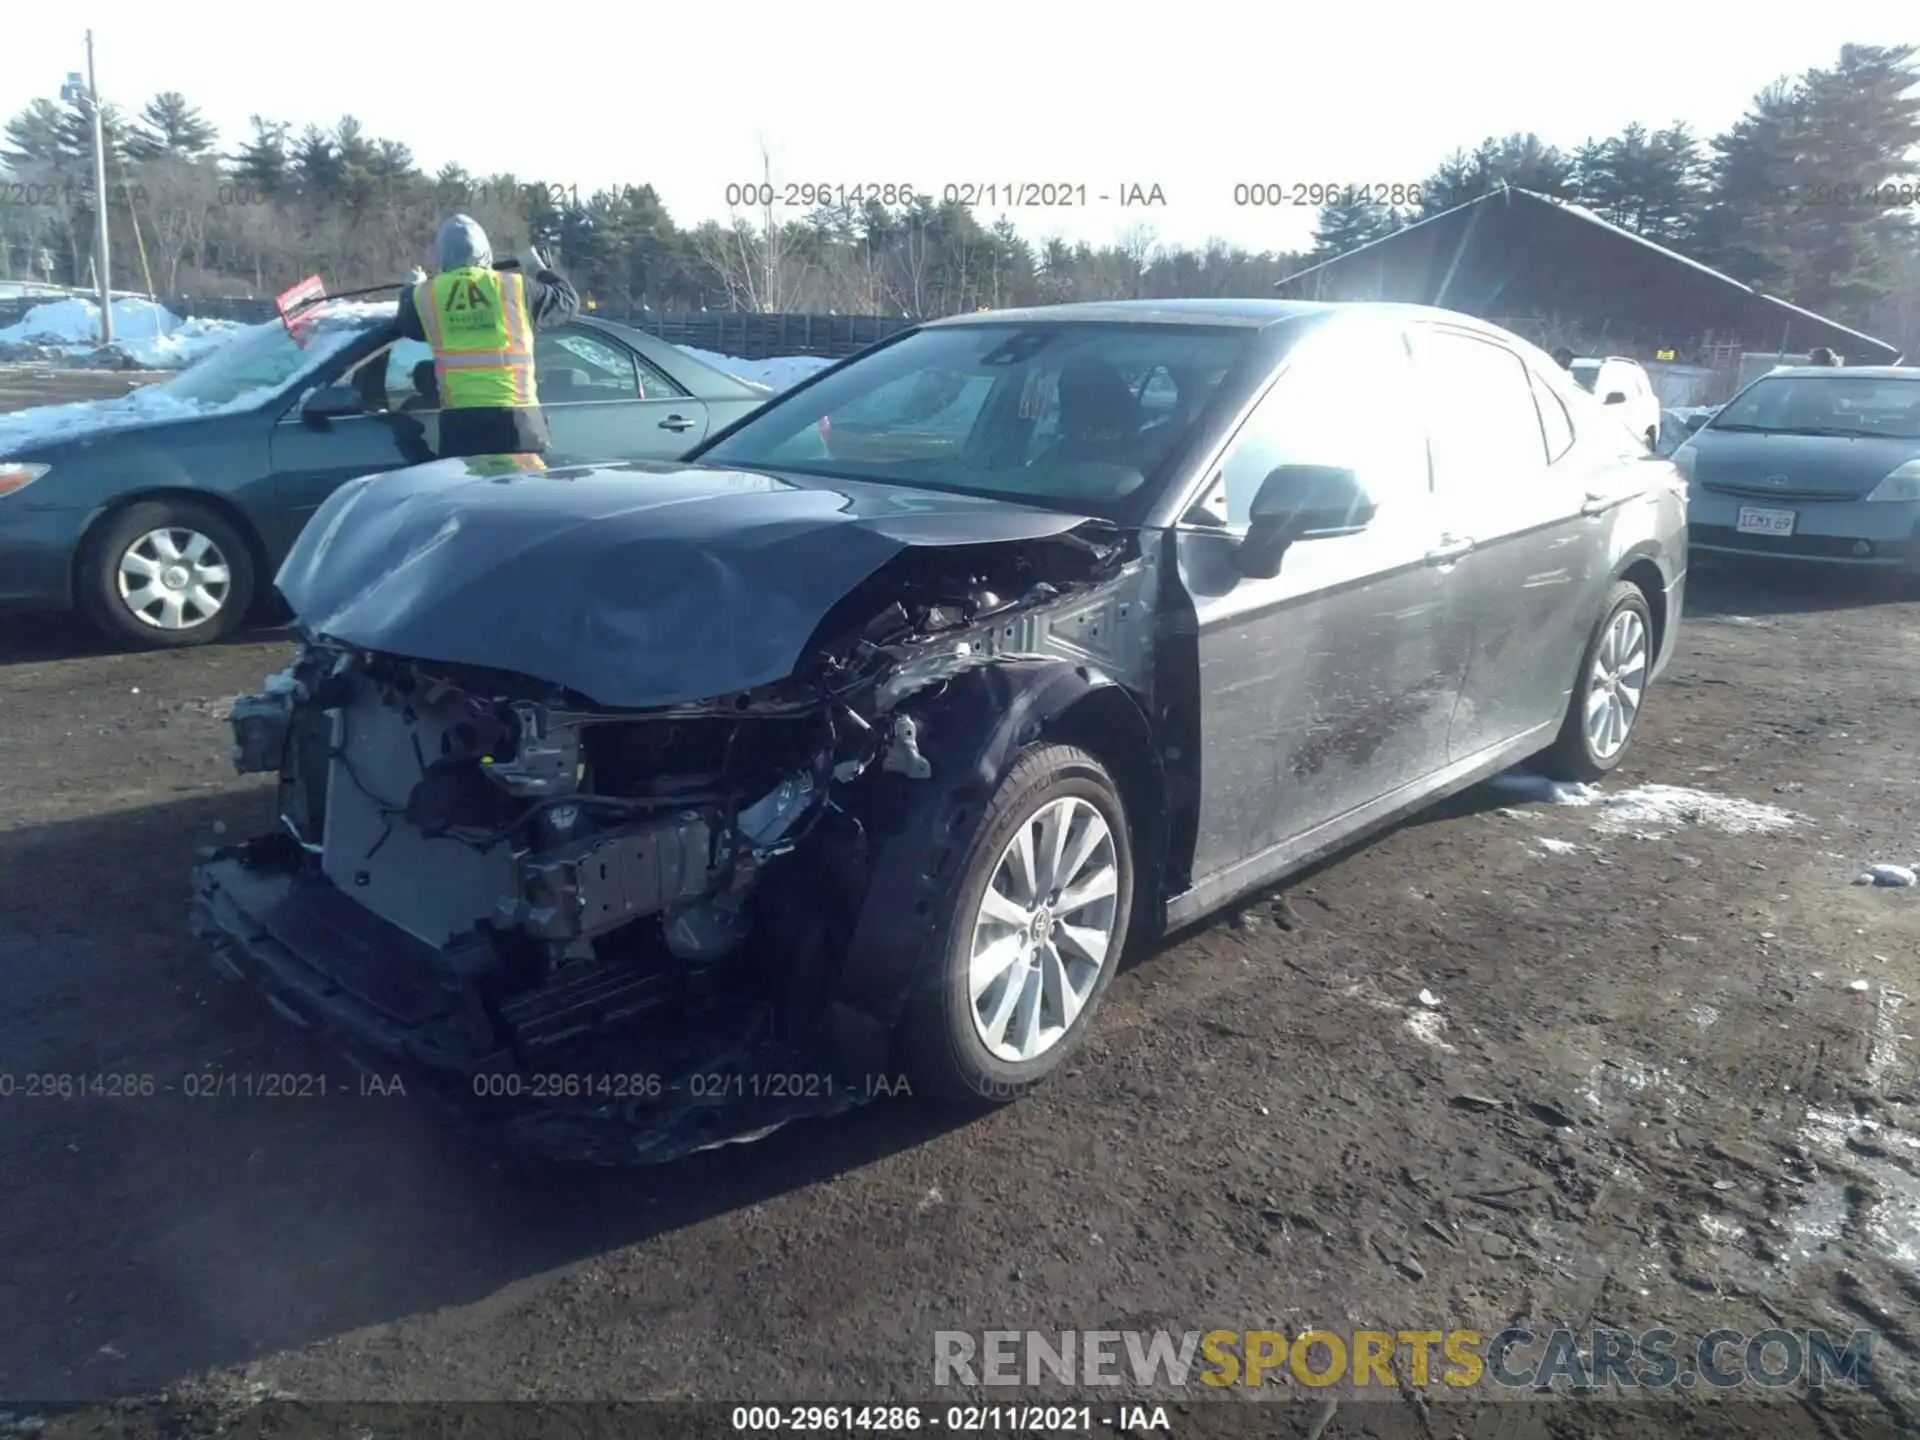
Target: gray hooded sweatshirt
x=460, y=243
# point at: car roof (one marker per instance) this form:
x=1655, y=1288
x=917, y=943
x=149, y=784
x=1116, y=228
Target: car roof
x=1858, y=372
x=1235, y=312
x=1246, y=313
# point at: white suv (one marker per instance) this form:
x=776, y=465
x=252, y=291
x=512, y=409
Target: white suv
x=1622, y=383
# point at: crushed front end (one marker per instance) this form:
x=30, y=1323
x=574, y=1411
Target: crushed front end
x=614, y=934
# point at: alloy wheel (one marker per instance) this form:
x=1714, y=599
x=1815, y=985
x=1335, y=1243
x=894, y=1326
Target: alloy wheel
x=1616, y=683
x=1043, y=931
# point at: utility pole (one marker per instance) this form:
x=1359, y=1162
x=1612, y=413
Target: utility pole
x=102, y=269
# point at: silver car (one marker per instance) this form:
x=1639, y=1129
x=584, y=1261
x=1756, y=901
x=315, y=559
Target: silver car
x=1811, y=463
x=860, y=740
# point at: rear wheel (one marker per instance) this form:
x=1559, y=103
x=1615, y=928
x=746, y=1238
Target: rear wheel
x=1609, y=692
x=167, y=574
x=1034, y=934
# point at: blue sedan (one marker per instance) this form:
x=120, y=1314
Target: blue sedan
x=164, y=514
x=1811, y=464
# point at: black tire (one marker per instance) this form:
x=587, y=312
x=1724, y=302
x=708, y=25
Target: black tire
x=1572, y=755
x=99, y=574
x=941, y=1048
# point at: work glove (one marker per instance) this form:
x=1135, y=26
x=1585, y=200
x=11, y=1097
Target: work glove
x=531, y=261
x=417, y=276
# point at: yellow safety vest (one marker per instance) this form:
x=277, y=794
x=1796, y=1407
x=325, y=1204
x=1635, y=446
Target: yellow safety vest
x=482, y=336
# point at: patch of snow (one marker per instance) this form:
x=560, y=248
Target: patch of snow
x=1652, y=809
x=1703, y=1015
x=1429, y=1028
x=46, y=424
x=1887, y=875
x=1892, y=1222
x=1556, y=847
x=1539, y=787
x=1720, y=1229
x=150, y=334
x=1860, y=985
x=779, y=371
x=1429, y=999
x=1883, y=1053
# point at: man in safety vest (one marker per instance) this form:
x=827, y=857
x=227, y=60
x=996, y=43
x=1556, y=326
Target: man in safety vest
x=480, y=323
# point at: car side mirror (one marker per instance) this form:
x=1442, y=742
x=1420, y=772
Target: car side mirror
x=1694, y=422
x=330, y=402
x=1300, y=502
x=1615, y=397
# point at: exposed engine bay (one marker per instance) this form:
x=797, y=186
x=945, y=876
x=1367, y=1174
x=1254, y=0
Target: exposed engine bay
x=491, y=875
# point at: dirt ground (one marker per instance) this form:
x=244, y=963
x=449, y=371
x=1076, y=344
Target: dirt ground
x=1667, y=1078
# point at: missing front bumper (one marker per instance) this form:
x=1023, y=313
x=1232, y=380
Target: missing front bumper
x=682, y=1074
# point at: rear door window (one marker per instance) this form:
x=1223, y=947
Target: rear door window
x=1488, y=441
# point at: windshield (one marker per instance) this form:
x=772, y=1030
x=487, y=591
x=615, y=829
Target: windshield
x=260, y=360
x=1842, y=404
x=1585, y=373
x=1075, y=416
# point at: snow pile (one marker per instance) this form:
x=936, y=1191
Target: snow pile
x=1657, y=808
x=778, y=371
x=1891, y=876
x=147, y=334
x=1529, y=786
x=49, y=424
x=1650, y=810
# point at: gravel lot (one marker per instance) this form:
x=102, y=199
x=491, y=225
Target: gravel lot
x=1669, y=1080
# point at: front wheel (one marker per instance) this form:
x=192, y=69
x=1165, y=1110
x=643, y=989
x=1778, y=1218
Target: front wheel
x=1604, y=710
x=1035, y=930
x=167, y=574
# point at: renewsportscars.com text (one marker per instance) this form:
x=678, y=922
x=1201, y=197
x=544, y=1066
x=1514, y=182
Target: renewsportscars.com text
x=1515, y=1358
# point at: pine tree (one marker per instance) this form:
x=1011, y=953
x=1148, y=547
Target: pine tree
x=168, y=125
x=35, y=137
x=1647, y=182
x=263, y=164
x=1524, y=161
x=1349, y=222
x=1794, y=182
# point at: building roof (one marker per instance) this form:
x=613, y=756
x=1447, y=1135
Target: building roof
x=1514, y=253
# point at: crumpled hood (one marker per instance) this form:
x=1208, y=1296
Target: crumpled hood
x=636, y=584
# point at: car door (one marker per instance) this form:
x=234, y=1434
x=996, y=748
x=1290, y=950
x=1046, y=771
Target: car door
x=603, y=401
x=1333, y=684
x=313, y=459
x=1506, y=478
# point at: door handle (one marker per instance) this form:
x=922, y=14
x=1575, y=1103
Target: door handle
x=676, y=422
x=1450, y=549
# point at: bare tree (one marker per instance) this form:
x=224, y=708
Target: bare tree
x=761, y=267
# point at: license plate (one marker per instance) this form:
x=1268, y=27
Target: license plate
x=1764, y=522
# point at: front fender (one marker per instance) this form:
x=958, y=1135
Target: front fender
x=971, y=731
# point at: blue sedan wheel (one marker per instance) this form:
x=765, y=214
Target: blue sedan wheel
x=167, y=574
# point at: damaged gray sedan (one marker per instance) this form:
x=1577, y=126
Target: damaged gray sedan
x=649, y=805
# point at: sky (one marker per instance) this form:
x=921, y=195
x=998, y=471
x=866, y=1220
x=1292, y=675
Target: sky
x=1085, y=100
